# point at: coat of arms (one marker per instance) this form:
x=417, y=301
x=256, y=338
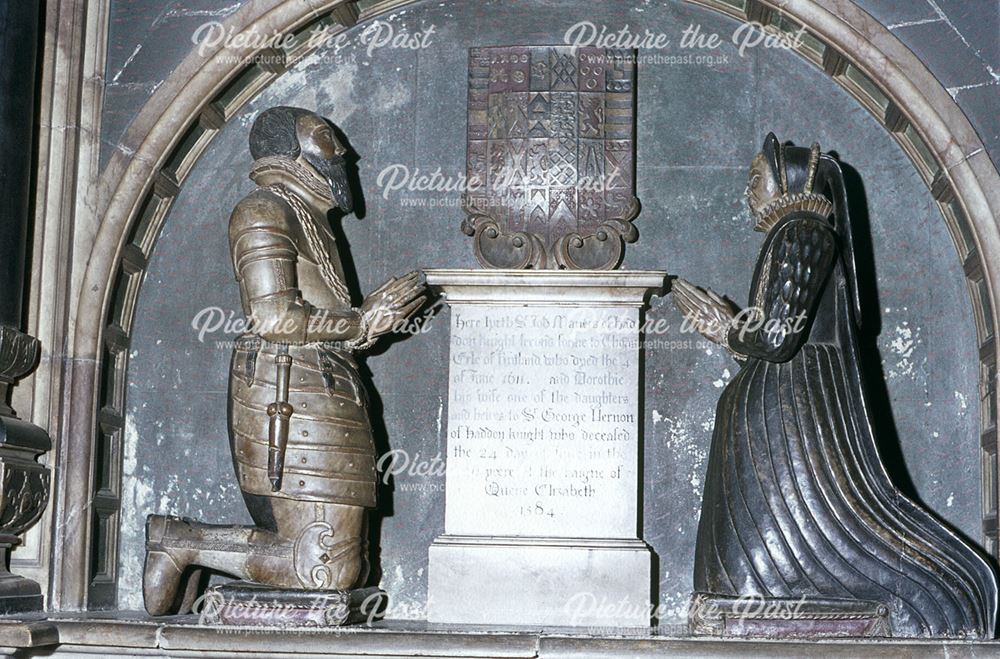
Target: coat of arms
x=550, y=162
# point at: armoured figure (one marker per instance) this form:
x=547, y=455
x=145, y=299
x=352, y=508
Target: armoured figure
x=797, y=503
x=299, y=430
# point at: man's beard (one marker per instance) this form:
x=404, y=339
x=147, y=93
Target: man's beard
x=334, y=171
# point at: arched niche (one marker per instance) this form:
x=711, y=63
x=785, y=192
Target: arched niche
x=207, y=92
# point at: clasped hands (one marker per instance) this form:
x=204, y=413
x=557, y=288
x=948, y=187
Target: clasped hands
x=708, y=312
x=391, y=304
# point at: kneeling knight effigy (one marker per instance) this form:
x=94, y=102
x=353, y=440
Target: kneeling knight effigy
x=299, y=429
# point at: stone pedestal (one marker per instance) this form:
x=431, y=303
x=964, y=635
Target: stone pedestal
x=245, y=604
x=542, y=521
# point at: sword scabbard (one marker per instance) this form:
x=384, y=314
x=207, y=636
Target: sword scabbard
x=280, y=412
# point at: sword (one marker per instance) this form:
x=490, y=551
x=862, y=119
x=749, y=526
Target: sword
x=280, y=412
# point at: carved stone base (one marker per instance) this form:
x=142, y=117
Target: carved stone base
x=760, y=617
x=17, y=594
x=580, y=582
x=244, y=604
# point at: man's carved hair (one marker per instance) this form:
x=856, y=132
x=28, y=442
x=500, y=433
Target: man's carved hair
x=273, y=135
x=273, y=132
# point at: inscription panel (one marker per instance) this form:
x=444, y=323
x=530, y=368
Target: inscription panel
x=542, y=421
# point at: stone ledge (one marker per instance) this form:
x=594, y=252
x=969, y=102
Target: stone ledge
x=131, y=633
x=630, y=288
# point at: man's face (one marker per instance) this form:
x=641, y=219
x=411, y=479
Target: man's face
x=317, y=138
x=322, y=150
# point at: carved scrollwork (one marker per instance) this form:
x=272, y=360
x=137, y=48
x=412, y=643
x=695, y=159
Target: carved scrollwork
x=601, y=250
x=321, y=560
x=18, y=354
x=496, y=249
x=24, y=496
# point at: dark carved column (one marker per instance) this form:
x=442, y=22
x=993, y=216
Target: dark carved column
x=18, y=47
x=25, y=482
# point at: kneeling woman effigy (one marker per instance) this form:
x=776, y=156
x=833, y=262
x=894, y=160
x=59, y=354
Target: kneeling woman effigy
x=802, y=532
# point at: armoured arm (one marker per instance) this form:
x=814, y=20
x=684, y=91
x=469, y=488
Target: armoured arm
x=794, y=267
x=264, y=257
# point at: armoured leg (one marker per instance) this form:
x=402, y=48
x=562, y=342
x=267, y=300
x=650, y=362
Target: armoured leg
x=328, y=547
x=315, y=546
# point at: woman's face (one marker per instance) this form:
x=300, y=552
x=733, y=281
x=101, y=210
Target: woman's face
x=762, y=186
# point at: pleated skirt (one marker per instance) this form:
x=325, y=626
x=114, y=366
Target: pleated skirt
x=797, y=503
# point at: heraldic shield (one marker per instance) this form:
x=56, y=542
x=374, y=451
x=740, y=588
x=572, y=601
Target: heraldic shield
x=551, y=156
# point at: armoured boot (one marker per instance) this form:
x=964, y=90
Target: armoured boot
x=177, y=549
x=164, y=570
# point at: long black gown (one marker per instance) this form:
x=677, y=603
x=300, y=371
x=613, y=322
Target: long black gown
x=797, y=501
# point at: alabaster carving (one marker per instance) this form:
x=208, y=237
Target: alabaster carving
x=798, y=509
x=300, y=432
